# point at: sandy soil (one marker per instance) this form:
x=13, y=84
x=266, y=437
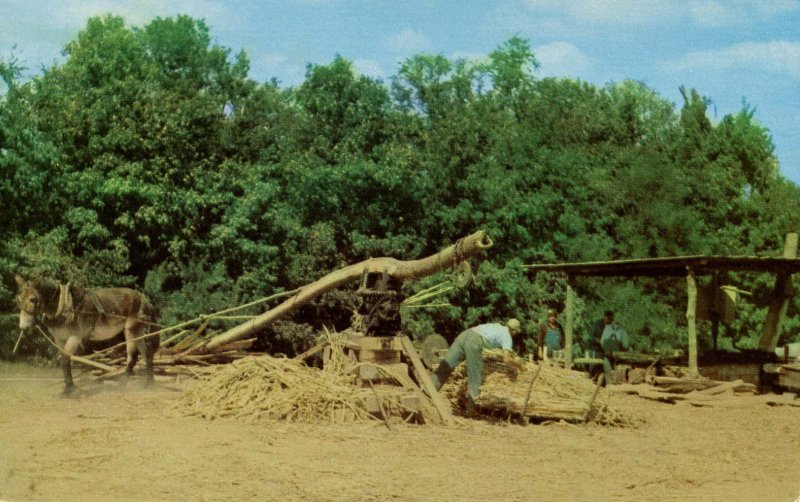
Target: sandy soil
x=123, y=442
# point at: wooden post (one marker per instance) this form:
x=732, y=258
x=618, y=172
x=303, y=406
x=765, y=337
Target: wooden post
x=569, y=307
x=780, y=300
x=424, y=379
x=691, y=318
x=715, y=309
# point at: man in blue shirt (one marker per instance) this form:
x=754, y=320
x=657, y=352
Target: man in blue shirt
x=613, y=338
x=469, y=346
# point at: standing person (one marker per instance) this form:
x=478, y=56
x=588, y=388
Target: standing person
x=469, y=346
x=551, y=336
x=613, y=337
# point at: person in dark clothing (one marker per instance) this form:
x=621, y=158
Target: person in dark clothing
x=613, y=338
x=551, y=336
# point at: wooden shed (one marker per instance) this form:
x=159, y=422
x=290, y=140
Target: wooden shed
x=691, y=266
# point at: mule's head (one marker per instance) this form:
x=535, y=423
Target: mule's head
x=30, y=301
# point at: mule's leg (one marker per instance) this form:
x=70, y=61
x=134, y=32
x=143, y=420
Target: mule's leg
x=149, y=351
x=133, y=352
x=134, y=329
x=70, y=347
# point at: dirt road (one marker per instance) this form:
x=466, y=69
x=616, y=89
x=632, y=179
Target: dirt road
x=117, y=442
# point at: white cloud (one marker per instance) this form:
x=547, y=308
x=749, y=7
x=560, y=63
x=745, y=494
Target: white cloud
x=712, y=13
x=706, y=13
x=561, y=59
x=620, y=12
x=408, y=41
x=272, y=59
x=779, y=57
x=266, y=66
x=141, y=12
x=472, y=57
x=41, y=29
x=369, y=68
x=716, y=13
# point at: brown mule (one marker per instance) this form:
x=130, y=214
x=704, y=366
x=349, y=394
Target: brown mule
x=75, y=314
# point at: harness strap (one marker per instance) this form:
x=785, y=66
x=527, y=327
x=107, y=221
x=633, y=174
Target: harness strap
x=66, y=305
x=97, y=305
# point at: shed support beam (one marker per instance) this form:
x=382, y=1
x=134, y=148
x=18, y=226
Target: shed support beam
x=568, y=329
x=780, y=300
x=691, y=318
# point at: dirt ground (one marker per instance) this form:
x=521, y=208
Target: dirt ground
x=124, y=442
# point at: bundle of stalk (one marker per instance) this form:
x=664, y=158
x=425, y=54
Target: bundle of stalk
x=275, y=388
x=555, y=394
x=278, y=388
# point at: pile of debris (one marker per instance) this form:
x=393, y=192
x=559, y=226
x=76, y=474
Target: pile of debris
x=515, y=388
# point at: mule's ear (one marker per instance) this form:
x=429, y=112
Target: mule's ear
x=20, y=281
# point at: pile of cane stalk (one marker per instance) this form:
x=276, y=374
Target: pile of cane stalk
x=279, y=388
x=515, y=387
x=275, y=388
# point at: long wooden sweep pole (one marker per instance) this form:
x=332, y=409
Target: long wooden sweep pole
x=461, y=250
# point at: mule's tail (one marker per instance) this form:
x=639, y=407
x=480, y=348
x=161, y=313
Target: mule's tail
x=149, y=313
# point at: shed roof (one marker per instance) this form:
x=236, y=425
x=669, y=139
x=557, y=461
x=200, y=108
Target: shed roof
x=672, y=266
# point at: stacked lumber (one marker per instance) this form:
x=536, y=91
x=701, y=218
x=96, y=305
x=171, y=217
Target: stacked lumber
x=696, y=391
x=678, y=385
x=515, y=387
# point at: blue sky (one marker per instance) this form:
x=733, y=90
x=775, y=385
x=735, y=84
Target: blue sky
x=732, y=51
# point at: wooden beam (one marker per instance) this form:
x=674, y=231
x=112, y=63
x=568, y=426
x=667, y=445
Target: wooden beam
x=671, y=266
x=691, y=318
x=568, y=330
x=464, y=248
x=442, y=406
x=716, y=305
x=780, y=300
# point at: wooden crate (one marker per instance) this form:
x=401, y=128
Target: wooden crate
x=379, y=349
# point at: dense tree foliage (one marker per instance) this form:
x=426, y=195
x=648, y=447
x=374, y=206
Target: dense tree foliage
x=149, y=157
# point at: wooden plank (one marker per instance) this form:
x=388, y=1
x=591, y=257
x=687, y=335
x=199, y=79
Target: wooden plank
x=441, y=405
x=722, y=387
x=674, y=384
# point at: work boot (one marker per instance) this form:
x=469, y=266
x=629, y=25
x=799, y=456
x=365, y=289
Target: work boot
x=442, y=373
x=471, y=409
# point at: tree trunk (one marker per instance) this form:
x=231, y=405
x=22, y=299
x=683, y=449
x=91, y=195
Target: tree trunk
x=461, y=250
